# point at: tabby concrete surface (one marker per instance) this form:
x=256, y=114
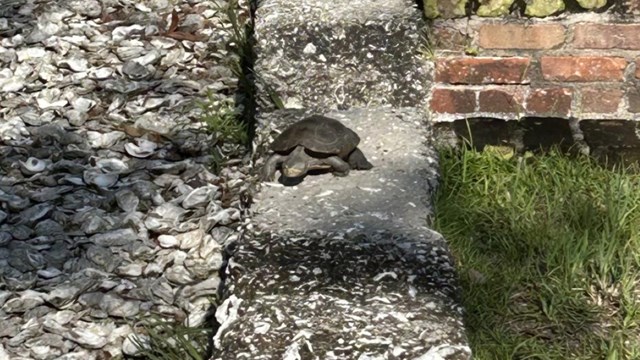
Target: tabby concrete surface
x=395, y=195
x=346, y=267
x=342, y=53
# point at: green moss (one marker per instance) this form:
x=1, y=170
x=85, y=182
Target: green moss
x=542, y=8
x=592, y=4
x=445, y=8
x=459, y=8
x=494, y=8
x=431, y=9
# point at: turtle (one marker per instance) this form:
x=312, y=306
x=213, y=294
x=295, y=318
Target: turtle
x=314, y=143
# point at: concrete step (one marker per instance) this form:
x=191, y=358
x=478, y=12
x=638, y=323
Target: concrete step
x=345, y=267
x=337, y=54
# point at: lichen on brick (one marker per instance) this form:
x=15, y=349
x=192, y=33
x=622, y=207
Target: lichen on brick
x=483, y=70
x=494, y=7
x=542, y=8
x=606, y=36
x=501, y=100
x=519, y=36
x=453, y=101
x=554, y=101
x=592, y=4
x=598, y=100
x=583, y=68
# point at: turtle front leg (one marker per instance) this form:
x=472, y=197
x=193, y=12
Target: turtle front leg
x=339, y=166
x=269, y=168
x=358, y=161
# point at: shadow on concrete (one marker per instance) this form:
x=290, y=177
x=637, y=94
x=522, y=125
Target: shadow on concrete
x=318, y=283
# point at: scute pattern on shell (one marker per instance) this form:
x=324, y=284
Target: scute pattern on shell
x=319, y=134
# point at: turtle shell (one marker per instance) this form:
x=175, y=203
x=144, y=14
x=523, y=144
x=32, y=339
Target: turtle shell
x=319, y=134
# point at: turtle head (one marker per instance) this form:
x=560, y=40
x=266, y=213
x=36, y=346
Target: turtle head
x=295, y=170
x=296, y=164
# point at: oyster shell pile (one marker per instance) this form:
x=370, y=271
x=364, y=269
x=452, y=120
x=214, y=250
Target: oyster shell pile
x=108, y=209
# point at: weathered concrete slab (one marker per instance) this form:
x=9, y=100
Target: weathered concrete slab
x=320, y=295
x=346, y=267
x=319, y=54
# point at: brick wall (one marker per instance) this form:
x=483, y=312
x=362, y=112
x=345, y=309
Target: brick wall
x=581, y=66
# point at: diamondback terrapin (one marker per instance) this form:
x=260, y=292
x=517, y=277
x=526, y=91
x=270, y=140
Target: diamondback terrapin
x=316, y=142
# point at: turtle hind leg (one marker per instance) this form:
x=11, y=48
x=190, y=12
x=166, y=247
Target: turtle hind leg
x=269, y=169
x=358, y=161
x=339, y=166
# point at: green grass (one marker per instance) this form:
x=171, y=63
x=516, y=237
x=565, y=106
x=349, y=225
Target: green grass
x=222, y=118
x=231, y=119
x=169, y=340
x=225, y=117
x=548, y=252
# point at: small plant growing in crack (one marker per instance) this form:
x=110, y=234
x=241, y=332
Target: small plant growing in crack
x=470, y=48
x=222, y=119
x=169, y=340
x=242, y=69
x=230, y=119
x=427, y=48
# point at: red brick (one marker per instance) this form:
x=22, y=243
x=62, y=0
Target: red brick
x=601, y=100
x=634, y=100
x=500, y=101
x=582, y=68
x=607, y=36
x=471, y=70
x=453, y=101
x=516, y=36
x=549, y=102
